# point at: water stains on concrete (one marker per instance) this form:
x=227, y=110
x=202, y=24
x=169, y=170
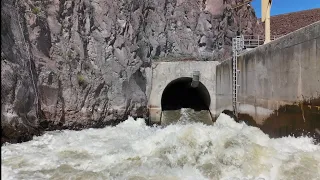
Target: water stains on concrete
x=298, y=119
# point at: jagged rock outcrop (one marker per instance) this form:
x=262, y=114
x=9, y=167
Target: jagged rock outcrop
x=82, y=63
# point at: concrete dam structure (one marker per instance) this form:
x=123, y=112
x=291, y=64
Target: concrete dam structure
x=279, y=85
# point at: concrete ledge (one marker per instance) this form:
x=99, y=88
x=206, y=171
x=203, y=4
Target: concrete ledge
x=155, y=115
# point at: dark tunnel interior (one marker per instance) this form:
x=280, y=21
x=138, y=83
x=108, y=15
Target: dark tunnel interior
x=179, y=94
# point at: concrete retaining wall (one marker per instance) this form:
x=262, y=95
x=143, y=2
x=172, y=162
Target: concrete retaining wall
x=279, y=84
x=224, y=86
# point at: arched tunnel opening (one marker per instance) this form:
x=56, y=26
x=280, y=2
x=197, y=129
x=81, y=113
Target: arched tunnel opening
x=180, y=94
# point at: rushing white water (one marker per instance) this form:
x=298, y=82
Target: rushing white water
x=134, y=151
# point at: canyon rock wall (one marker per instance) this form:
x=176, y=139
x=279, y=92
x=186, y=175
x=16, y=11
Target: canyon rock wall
x=82, y=63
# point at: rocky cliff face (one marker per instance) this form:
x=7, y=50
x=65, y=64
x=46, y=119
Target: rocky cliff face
x=82, y=63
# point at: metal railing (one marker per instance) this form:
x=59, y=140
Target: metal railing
x=253, y=41
x=237, y=48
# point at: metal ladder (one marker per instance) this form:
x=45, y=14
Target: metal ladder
x=237, y=47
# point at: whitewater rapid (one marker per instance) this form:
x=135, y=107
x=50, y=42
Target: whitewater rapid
x=188, y=151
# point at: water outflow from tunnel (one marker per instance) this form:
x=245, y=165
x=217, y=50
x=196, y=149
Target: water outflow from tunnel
x=185, y=115
x=134, y=151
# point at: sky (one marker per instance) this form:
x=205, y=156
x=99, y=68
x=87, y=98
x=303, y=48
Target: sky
x=286, y=6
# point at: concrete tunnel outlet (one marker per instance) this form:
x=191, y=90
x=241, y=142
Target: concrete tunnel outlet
x=179, y=93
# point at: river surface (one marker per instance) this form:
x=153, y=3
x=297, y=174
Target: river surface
x=185, y=150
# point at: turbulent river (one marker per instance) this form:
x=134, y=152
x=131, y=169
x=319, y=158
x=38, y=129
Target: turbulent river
x=185, y=150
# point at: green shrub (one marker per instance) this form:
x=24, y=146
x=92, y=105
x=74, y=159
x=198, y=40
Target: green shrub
x=81, y=79
x=35, y=10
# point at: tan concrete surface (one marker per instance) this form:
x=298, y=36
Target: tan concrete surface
x=281, y=73
x=165, y=72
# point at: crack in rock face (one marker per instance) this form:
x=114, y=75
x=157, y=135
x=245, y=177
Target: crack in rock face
x=89, y=58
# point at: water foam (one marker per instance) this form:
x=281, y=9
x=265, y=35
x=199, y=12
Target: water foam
x=132, y=150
